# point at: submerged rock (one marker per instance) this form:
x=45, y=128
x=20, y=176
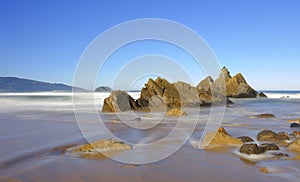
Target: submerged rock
x=176, y=112
x=252, y=149
x=221, y=137
x=265, y=116
x=294, y=125
x=295, y=145
x=246, y=139
x=102, y=145
x=269, y=135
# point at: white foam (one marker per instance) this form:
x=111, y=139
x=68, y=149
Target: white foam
x=283, y=95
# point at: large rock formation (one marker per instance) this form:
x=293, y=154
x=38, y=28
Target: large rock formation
x=161, y=95
x=235, y=87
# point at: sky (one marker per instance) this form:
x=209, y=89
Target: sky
x=44, y=40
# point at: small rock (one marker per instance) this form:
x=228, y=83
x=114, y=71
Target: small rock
x=221, y=137
x=264, y=170
x=246, y=139
x=294, y=125
x=294, y=120
x=265, y=116
x=261, y=95
x=269, y=135
x=281, y=155
x=252, y=149
x=295, y=145
x=176, y=112
x=270, y=146
x=296, y=134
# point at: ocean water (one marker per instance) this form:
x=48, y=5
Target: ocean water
x=34, y=125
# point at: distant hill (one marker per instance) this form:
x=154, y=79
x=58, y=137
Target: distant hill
x=13, y=84
x=103, y=89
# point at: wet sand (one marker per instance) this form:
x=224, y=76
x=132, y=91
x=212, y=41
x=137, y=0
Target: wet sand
x=33, y=145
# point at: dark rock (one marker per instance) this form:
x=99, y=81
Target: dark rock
x=246, y=139
x=270, y=146
x=294, y=125
x=261, y=95
x=265, y=116
x=281, y=155
x=103, y=89
x=268, y=135
x=252, y=149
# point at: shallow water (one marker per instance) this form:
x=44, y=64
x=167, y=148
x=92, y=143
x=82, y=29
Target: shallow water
x=35, y=128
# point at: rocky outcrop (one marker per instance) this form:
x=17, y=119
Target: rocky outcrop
x=221, y=137
x=101, y=145
x=255, y=149
x=119, y=101
x=268, y=135
x=176, y=112
x=233, y=87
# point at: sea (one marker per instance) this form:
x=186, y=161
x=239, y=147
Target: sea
x=36, y=127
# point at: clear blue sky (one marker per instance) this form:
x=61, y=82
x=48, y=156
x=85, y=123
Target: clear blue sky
x=43, y=40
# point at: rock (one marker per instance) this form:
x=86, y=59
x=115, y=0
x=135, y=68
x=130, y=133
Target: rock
x=221, y=137
x=268, y=135
x=296, y=134
x=294, y=120
x=246, y=139
x=264, y=170
x=265, y=116
x=103, y=89
x=119, y=101
x=281, y=155
x=252, y=149
x=294, y=125
x=188, y=94
x=261, y=95
x=176, y=112
x=295, y=145
x=235, y=87
x=102, y=145
x=270, y=146
x=205, y=85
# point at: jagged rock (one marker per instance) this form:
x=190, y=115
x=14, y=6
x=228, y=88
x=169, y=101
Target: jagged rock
x=252, y=149
x=205, y=85
x=101, y=145
x=119, y=101
x=221, y=137
x=295, y=145
x=294, y=125
x=265, y=116
x=176, y=112
x=188, y=94
x=246, y=139
x=268, y=135
x=235, y=87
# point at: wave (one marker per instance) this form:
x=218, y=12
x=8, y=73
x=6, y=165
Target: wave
x=283, y=94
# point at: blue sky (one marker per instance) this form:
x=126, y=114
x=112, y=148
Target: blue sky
x=44, y=40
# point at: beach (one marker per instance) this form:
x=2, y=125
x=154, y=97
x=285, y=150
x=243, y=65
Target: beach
x=38, y=128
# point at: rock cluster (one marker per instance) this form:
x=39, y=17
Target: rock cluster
x=160, y=94
x=269, y=135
